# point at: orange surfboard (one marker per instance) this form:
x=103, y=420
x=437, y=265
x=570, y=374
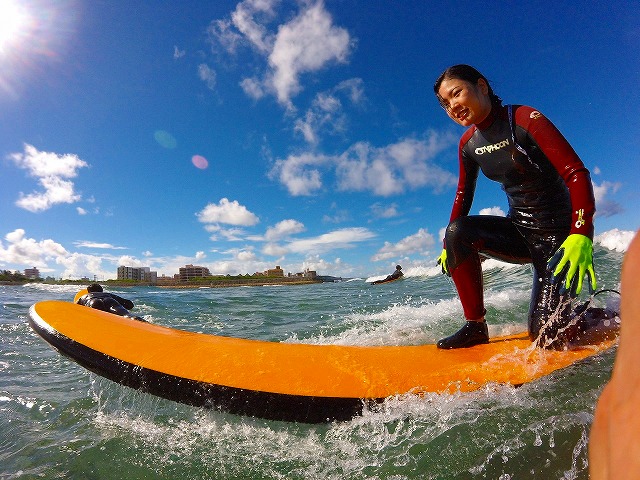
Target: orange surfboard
x=282, y=381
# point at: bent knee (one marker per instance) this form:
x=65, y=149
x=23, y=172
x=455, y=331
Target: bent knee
x=455, y=230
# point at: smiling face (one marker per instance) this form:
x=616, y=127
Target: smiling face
x=466, y=103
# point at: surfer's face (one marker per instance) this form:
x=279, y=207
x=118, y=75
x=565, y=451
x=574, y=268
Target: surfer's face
x=466, y=103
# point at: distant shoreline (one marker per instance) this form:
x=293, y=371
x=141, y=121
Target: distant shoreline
x=239, y=283
x=247, y=282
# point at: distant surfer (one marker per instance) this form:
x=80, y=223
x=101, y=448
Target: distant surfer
x=551, y=208
x=107, y=302
x=390, y=278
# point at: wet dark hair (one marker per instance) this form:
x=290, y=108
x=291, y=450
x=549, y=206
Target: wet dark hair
x=94, y=287
x=398, y=267
x=468, y=74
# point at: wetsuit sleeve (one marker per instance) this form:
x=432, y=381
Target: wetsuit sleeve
x=466, y=181
x=566, y=162
x=128, y=304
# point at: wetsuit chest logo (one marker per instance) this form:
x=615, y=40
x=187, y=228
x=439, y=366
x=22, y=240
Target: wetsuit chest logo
x=492, y=148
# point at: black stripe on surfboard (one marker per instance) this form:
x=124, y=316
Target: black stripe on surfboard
x=253, y=403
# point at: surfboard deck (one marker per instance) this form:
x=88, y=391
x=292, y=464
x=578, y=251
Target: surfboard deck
x=282, y=381
x=379, y=282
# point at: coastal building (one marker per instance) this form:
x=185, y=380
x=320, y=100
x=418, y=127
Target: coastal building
x=275, y=272
x=32, y=273
x=139, y=274
x=165, y=280
x=193, y=271
x=312, y=274
x=309, y=273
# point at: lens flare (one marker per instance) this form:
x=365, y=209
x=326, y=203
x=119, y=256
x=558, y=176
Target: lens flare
x=200, y=162
x=165, y=139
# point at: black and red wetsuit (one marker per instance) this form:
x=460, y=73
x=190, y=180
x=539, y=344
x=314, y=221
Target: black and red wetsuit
x=550, y=196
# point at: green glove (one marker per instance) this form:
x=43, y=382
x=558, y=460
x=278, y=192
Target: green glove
x=571, y=262
x=442, y=261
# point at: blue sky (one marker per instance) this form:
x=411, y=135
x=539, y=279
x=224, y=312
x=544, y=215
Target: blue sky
x=241, y=135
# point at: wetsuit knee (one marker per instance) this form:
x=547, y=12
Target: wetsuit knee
x=453, y=233
x=459, y=238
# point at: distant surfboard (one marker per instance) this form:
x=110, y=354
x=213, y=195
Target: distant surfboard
x=282, y=381
x=386, y=280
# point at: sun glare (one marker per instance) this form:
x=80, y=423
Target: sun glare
x=13, y=20
x=33, y=35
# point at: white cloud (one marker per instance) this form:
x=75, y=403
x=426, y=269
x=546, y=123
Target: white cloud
x=246, y=18
x=107, y=246
x=78, y=265
x=604, y=206
x=230, y=234
x=420, y=242
x=301, y=173
x=327, y=113
x=245, y=256
x=47, y=164
x=28, y=251
x=52, y=171
x=384, y=211
x=207, y=75
x=496, y=211
x=231, y=213
x=393, y=169
x=221, y=33
x=253, y=88
x=337, y=239
x=384, y=171
x=177, y=53
x=283, y=229
x=274, y=250
x=337, y=216
x=441, y=233
x=308, y=42
x=314, y=262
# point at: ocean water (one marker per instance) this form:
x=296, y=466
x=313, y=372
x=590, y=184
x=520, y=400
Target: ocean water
x=57, y=420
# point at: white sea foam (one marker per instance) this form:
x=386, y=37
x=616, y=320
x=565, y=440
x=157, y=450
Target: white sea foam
x=618, y=240
x=46, y=287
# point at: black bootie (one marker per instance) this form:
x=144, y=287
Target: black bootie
x=472, y=333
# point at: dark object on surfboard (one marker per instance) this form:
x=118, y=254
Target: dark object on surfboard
x=588, y=324
x=397, y=275
x=595, y=324
x=94, y=296
x=283, y=381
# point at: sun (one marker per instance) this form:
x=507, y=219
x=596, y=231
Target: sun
x=33, y=36
x=14, y=19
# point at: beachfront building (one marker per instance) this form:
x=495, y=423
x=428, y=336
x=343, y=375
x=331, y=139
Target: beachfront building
x=275, y=272
x=138, y=274
x=193, y=271
x=32, y=273
x=311, y=274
